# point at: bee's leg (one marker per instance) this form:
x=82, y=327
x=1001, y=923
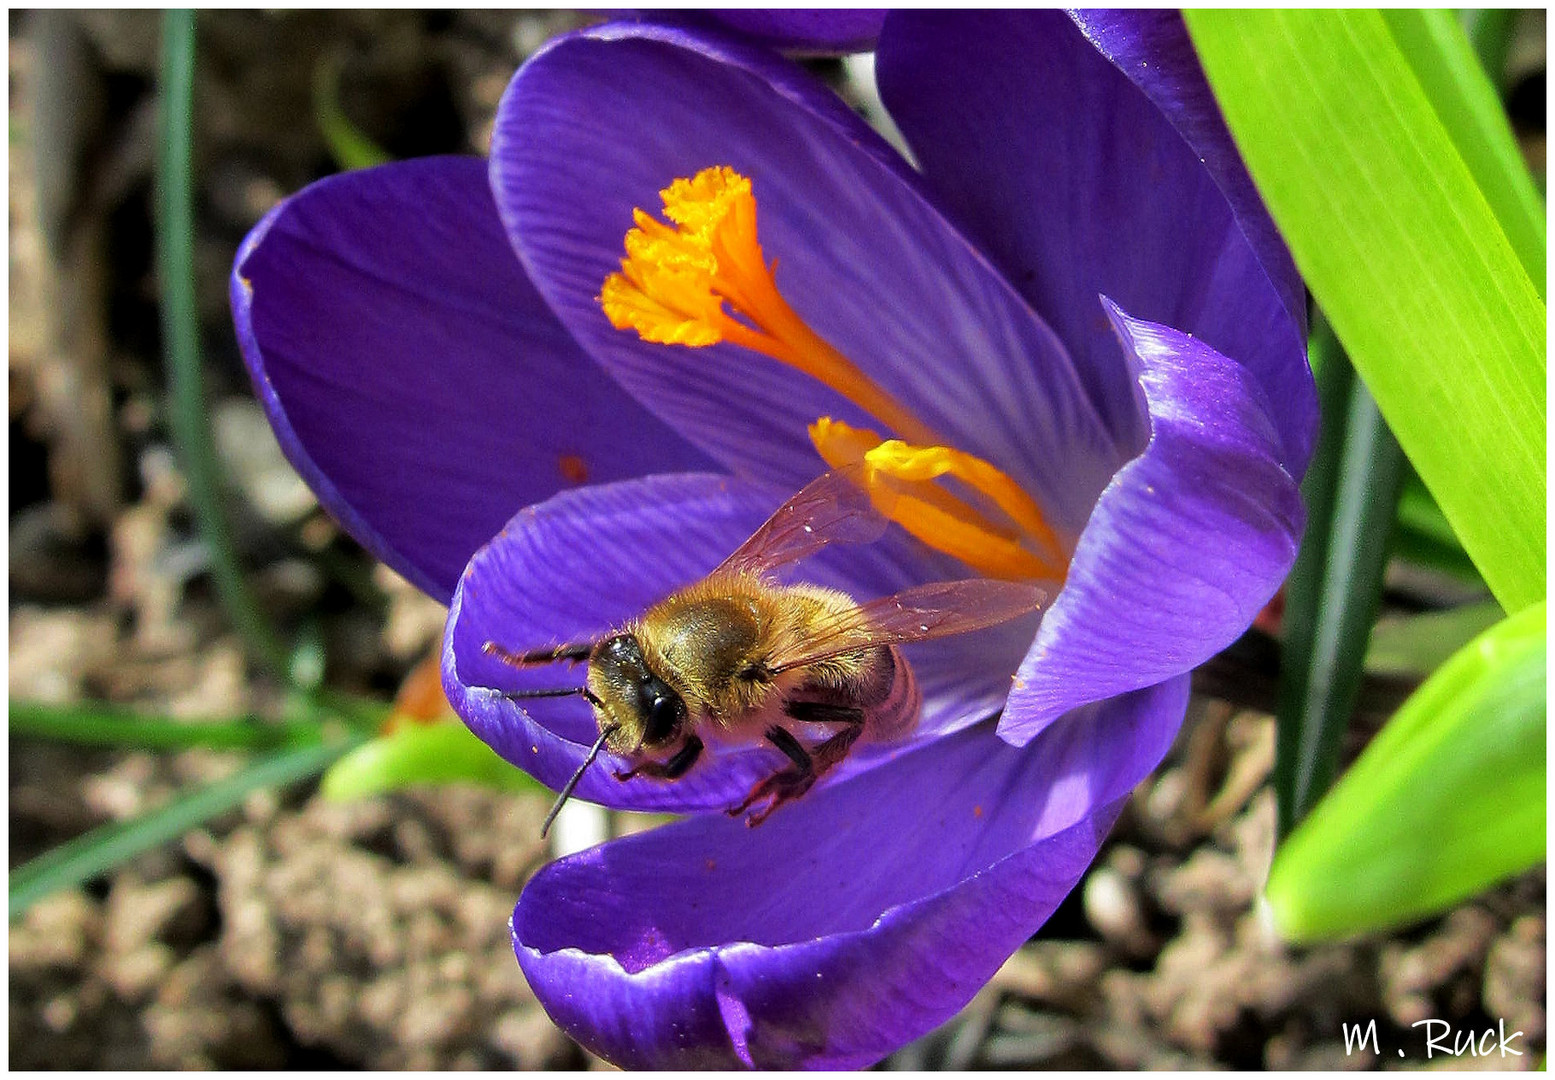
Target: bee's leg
x=575, y=652
x=809, y=765
x=675, y=767
x=792, y=748
x=831, y=751
x=782, y=785
x=834, y=749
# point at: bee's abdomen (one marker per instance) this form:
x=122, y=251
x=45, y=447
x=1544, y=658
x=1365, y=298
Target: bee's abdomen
x=897, y=712
x=877, y=680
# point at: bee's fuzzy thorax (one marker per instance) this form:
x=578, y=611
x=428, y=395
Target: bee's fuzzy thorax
x=713, y=642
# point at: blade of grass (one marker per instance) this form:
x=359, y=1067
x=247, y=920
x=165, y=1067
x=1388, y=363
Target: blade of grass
x=1405, y=255
x=1335, y=587
x=1303, y=588
x=350, y=148
x=189, y=414
x=104, y=848
x=92, y=724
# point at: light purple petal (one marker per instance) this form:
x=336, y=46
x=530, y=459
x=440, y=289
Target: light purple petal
x=811, y=31
x=578, y=565
x=413, y=375
x=1078, y=183
x=851, y=922
x=1187, y=543
x=861, y=255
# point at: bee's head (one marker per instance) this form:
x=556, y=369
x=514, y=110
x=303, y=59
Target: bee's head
x=647, y=712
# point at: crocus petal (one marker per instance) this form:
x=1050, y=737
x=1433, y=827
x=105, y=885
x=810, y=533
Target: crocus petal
x=1185, y=546
x=1079, y=182
x=412, y=374
x=851, y=922
x=809, y=31
x=1153, y=49
x=861, y=253
x=578, y=565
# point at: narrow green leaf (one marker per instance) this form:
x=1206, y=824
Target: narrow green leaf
x=347, y=145
x=1448, y=799
x=1423, y=535
x=1303, y=589
x=189, y=414
x=1406, y=256
x=1335, y=587
x=1419, y=644
x=104, y=848
x=1489, y=31
x=1469, y=108
x=439, y=753
x=1417, y=510
x=1425, y=551
x=96, y=724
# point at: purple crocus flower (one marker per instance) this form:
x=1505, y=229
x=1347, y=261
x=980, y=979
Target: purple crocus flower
x=1076, y=301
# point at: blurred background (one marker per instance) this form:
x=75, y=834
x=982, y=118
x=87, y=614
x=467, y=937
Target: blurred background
x=224, y=912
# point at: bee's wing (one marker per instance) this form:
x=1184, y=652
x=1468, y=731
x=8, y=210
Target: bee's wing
x=834, y=508
x=940, y=609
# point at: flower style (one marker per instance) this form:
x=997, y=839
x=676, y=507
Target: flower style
x=1069, y=345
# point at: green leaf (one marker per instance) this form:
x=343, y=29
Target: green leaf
x=96, y=724
x=1418, y=511
x=347, y=145
x=1448, y=799
x=440, y=753
x=104, y=848
x=1335, y=587
x=1423, y=535
x=1489, y=31
x=1419, y=644
x=1425, y=285
x=1422, y=550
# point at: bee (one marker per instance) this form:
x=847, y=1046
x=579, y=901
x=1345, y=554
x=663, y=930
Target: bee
x=738, y=657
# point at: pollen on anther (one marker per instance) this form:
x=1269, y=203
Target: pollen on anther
x=667, y=287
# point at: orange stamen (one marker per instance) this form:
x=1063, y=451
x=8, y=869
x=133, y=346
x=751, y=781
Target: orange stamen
x=900, y=479
x=701, y=278
x=675, y=281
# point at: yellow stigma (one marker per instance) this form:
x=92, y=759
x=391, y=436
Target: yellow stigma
x=900, y=480
x=676, y=279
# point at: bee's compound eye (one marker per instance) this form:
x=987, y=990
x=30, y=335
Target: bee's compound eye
x=664, y=716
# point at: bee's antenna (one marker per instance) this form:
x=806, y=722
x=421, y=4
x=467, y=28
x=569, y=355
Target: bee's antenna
x=593, y=753
x=569, y=691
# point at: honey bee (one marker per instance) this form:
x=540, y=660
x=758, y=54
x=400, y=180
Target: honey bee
x=738, y=657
